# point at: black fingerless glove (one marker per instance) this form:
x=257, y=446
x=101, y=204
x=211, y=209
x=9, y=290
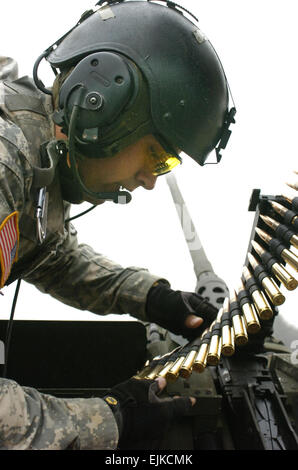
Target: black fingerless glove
x=140, y=414
x=169, y=309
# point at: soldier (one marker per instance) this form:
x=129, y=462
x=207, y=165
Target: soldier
x=121, y=110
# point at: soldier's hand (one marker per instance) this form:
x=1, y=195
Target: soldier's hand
x=141, y=414
x=183, y=313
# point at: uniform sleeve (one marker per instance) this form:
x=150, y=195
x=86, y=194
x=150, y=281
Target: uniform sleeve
x=11, y=205
x=8, y=68
x=78, y=276
x=36, y=421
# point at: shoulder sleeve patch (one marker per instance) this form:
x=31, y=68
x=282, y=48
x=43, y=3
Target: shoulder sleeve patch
x=9, y=244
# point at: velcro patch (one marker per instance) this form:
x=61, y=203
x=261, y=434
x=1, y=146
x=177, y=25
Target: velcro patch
x=9, y=244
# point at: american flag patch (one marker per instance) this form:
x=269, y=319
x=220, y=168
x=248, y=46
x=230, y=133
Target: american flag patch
x=9, y=243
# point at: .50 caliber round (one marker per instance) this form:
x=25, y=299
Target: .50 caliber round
x=273, y=292
x=154, y=373
x=284, y=276
x=262, y=306
x=252, y=322
x=228, y=340
x=200, y=361
x=214, y=351
x=239, y=330
x=163, y=372
x=186, y=368
x=173, y=372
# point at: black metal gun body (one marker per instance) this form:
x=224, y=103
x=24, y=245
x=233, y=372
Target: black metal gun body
x=254, y=407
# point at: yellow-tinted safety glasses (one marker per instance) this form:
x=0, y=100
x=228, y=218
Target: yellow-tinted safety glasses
x=162, y=162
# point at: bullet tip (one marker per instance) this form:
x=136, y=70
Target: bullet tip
x=292, y=185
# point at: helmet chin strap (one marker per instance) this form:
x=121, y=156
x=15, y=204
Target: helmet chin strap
x=118, y=197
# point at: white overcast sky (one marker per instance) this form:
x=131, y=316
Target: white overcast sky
x=257, y=44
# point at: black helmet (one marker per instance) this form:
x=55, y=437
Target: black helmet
x=133, y=68
x=187, y=84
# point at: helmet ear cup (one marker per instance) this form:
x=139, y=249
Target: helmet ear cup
x=109, y=83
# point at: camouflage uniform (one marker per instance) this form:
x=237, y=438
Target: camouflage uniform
x=30, y=420
x=70, y=272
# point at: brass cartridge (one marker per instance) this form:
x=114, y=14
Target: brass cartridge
x=240, y=330
x=227, y=332
x=249, y=313
x=214, y=351
x=262, y=306
x=279, y=208
x=165, y=369
x=167, y=360
x=215, y=344
x=173, y=372
x=200, y=361
x=287, y=234
x=293, y=185
x=285, y=254
x=186, y=368
x=284, y=277
x=272, y=223
x=239, y=327
x=292, y=200
x=273, y=292
x=251, y=317
x=290, y=258
x=287, y=214
x=228, y=340
x=154, y=372
x=152, y=368
x=143, y=373
x=277, y=269
x=190, y=353
x=269, y=285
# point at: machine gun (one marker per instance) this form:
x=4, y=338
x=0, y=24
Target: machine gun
x=245, y=382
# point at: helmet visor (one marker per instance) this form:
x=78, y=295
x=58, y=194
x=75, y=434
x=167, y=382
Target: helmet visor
x=162, y=162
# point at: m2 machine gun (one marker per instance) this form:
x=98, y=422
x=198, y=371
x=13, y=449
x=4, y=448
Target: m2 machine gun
x=245, y=381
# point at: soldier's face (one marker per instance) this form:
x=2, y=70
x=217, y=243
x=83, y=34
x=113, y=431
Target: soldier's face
x=128, y=169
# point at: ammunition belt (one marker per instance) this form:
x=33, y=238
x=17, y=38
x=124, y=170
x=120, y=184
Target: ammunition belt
x=252, y=305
